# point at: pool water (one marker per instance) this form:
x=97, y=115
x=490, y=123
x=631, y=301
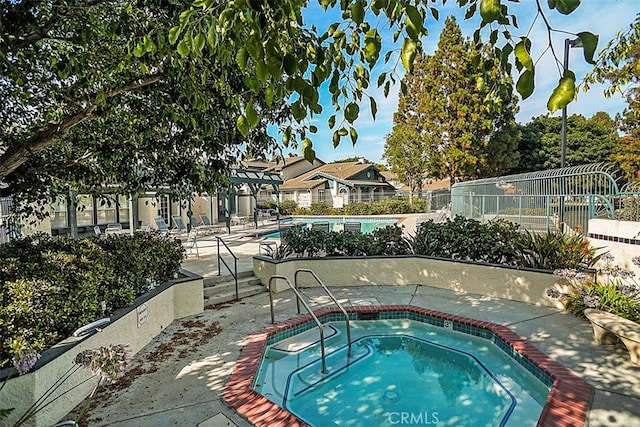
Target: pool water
x=400, y=372
x=368, y=224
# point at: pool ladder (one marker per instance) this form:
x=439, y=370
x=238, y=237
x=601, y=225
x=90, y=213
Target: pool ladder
x=299, y=300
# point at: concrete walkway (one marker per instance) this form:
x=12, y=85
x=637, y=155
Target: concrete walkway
x=178, y=379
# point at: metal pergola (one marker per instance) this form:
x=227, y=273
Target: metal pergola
x=254, y=180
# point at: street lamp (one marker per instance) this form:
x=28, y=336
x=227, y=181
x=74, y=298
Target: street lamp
x=568, y=43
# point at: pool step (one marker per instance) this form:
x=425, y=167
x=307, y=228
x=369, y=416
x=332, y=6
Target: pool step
x=221, y=289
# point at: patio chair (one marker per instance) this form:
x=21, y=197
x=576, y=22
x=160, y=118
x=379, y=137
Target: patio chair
x=322, y=226
x=162, y=226
x=207, y=225
x=113, y=228
x=191, y=243
x=353, y=227
x=238, y=220
x=180, y=226
x=97, y=231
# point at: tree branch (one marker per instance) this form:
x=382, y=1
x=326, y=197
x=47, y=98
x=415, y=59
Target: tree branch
x=46, y=137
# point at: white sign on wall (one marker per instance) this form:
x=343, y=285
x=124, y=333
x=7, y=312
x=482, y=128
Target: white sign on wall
x=143, y=313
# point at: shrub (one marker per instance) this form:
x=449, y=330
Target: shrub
x=287, y=207
x=551, y=251
x=468, y=239
x=313, y=242
x=50, y=286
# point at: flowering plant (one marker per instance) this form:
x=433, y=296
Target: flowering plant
x=619, y=293
x=109, y=363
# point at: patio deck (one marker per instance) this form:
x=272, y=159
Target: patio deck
x=178, y=379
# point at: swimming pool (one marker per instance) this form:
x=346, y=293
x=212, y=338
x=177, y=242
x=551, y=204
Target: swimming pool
x=367, y=224
x=409, y=366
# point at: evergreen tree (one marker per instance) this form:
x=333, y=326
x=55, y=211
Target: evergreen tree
x=453, y=101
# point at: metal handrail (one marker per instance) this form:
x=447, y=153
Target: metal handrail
x=328, y=292
x=234, y=273
x=299, y=298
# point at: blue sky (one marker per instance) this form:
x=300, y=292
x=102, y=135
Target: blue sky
x=602, y=17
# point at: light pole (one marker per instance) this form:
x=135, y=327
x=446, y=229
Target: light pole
x=568, y=43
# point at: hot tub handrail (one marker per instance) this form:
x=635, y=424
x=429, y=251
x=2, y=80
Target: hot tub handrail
x=300, y=299
x=328, y=292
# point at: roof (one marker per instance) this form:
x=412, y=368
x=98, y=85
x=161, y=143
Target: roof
x=340, y=172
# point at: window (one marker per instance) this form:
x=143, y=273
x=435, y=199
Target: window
x=106, y=210
x=321, y=196
x=84, y=210
x=59, y=217
x=123, y=208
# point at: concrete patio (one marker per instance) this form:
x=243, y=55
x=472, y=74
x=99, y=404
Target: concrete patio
x=179, y=377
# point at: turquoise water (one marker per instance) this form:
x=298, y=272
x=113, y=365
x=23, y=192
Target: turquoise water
x=400, y=372
x=335, y=223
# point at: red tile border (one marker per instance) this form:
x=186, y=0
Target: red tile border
x=567, y=404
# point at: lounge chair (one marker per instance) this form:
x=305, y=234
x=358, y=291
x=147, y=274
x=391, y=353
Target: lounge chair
x=177, y=220
x=207, y=226
x=191, y=243
x=353, y=227
x=322, y=226
x=97, y=231
x=162, y=226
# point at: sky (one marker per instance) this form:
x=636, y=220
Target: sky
x=602, y=17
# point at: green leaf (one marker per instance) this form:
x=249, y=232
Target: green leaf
x=414, y=22
x=268, y=95
x=357, y=12
x=262, y=72
x=252, y=115
x=374, y=107
x=489, y=10
x=183, y=47
x=351, y=112
x=353, y=133
x=198, y=43
x=313, y=129
x=565, y=7
x=307, y=150
x=525, y=84
x=332, y=121
x=435, y=13
x=138, y=51
x=522, y=53
x=564, y=93
x=372, y=46
x=299, y=112
x=241, y=58
x=408, y=53
x=589, y=44
x=336, y=139
x=290, y=64
x=242, y=125
x=174, y=32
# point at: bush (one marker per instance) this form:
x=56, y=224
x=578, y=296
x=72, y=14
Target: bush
x=300, y=243
x=551, y=251
x=287, y=207
x=468, y=239
x=50, y=286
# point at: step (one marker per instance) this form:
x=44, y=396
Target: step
x=214, y=280
x=230, y=285
x=230, y=294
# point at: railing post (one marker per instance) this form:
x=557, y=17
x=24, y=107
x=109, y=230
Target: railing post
x=235, y=268
x=218, y=240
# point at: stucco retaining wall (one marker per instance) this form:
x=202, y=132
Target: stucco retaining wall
x=515, y=284
x=136, y=325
